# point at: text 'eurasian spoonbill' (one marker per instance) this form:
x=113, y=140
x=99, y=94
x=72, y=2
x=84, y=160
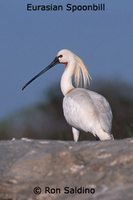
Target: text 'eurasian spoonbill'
x=83, y=109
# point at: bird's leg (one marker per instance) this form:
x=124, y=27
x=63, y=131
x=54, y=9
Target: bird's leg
x=97, y=138
x=75, y=134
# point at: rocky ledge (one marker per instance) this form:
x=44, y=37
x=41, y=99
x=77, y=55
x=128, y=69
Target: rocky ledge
x=65, y=170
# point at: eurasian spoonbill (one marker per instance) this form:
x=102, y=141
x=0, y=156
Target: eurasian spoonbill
x=83, y=109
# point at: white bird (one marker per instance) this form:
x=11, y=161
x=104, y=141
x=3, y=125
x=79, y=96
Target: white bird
x=83, y=109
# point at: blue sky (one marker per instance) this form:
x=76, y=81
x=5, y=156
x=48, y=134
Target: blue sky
x=30, y=40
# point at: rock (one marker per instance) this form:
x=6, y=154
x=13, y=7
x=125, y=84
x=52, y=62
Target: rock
x=66, y=170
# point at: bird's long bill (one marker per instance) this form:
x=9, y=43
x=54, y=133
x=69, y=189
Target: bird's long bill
x=55, y=61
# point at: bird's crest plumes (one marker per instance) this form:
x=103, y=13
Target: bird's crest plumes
x=81, y=71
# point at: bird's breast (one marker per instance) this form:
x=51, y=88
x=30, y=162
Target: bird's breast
x=77, y=111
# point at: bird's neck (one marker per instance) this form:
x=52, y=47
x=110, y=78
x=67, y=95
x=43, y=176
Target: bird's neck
x=66, y=79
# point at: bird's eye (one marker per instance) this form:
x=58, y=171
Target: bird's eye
x=60, y=56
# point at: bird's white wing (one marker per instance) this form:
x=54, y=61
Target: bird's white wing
x=103, y=109
x=84, y=107
x=77, y=106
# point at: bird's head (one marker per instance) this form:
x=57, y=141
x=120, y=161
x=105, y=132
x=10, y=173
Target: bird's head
x=64, y=56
